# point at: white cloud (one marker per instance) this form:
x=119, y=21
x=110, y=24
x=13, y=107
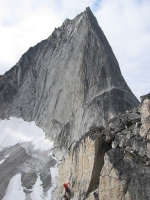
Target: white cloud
x=125, y=23
x=18, y=34
x=71, y=8
x=25, y=23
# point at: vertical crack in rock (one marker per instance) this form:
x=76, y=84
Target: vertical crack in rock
x=101, y=147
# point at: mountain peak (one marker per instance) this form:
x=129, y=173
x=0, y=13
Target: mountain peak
x=90, y=14
x=88, y=10
x=82, y=23
x=86, y=15
x=67, y=83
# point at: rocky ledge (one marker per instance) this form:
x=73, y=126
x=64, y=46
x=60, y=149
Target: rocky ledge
x=111, y=162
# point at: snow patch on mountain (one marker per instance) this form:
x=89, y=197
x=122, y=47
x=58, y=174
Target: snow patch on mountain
x=16, y=130
x=15, y=189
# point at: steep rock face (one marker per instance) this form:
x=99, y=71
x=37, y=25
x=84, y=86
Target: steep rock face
x=82, y=165
x=117, y=157
x=68, y=82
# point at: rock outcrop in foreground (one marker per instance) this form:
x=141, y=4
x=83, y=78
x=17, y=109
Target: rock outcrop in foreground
x=112, y=162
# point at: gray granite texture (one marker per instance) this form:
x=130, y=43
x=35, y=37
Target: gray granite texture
x=67, y=83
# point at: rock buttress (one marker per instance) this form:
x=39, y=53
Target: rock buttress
x=82, y=166
x=112, y=162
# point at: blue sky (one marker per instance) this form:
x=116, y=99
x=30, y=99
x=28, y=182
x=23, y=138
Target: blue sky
x=126, y=24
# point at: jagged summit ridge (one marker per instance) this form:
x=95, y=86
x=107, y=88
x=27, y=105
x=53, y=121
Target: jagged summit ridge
x=67, y=82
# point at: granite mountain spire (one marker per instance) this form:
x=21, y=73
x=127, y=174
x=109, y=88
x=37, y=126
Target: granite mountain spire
x=68, y=82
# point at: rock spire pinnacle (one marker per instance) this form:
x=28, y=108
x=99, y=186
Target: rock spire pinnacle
x=68, y=82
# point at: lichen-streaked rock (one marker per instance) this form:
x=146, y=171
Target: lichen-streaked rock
x=82, y=166
x=145, y=111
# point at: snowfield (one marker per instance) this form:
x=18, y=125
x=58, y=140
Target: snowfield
x=15, y=131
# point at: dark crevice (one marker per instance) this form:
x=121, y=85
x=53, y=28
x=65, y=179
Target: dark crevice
x=101, y=147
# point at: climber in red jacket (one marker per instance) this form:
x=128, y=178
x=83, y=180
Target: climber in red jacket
x=67, y=190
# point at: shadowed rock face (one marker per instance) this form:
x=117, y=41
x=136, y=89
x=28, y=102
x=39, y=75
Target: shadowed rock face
x=67, y=82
